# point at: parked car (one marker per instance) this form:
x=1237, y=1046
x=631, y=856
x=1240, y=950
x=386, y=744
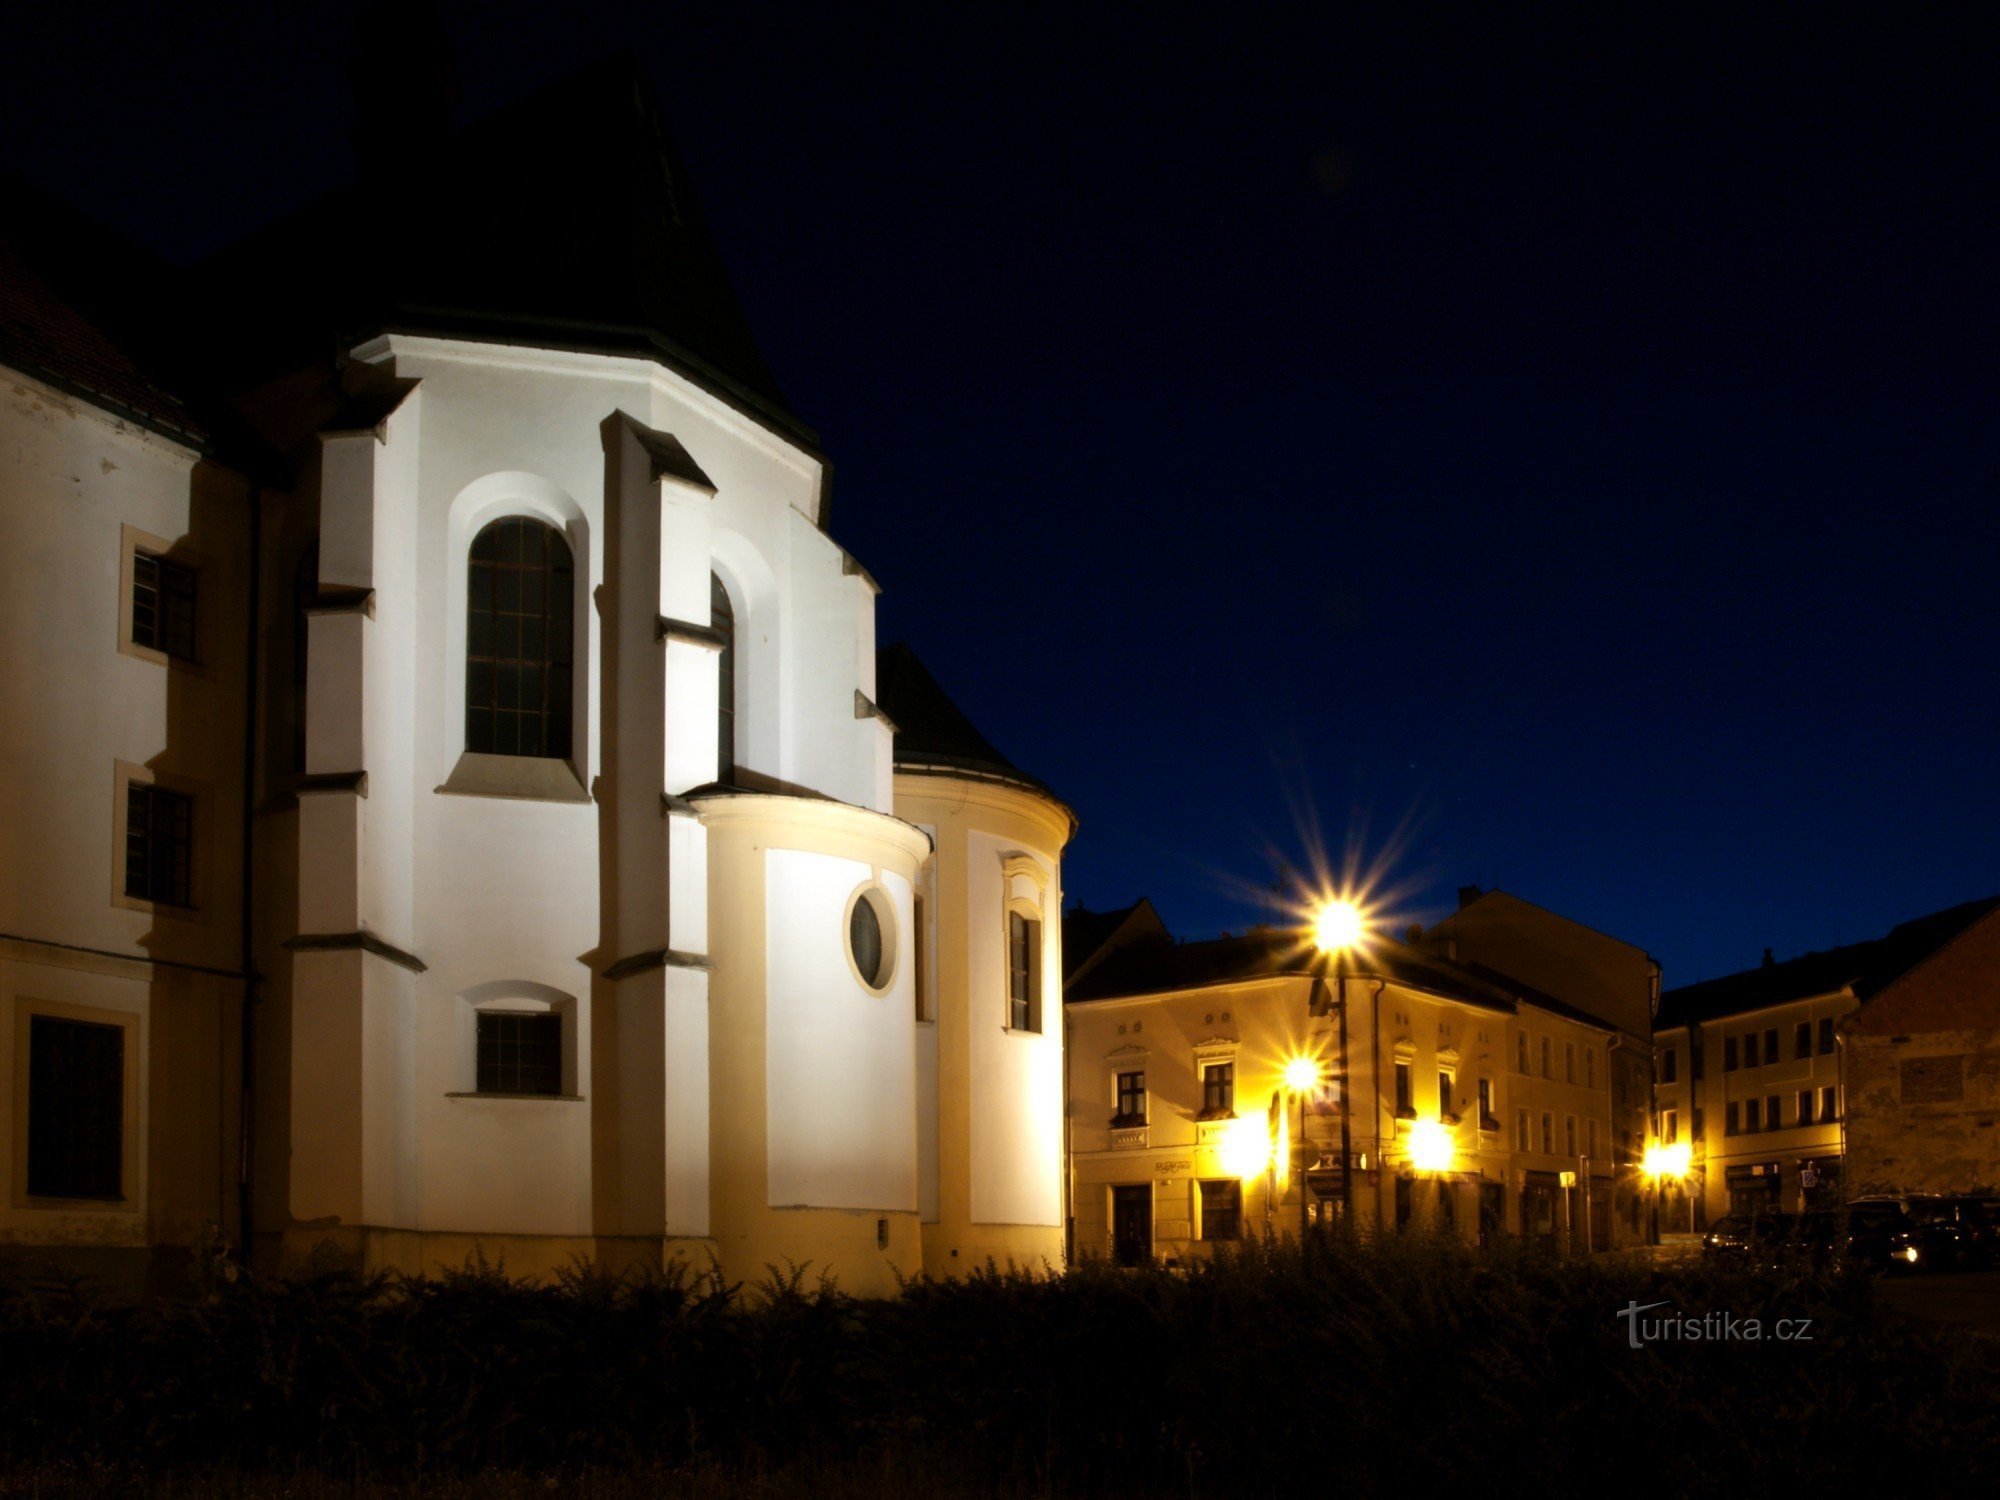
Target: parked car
x=1756, y=1238
x=1873, y=1236
x=1934, y=1237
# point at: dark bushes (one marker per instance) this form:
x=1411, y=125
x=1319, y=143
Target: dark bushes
x=1404, y=1366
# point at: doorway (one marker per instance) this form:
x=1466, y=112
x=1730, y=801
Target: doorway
x=1132, y=1224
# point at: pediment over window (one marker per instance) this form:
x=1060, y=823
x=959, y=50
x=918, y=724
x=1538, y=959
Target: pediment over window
x=1128, y=1050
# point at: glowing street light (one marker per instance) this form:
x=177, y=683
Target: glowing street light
x=1302, y=1075
x=1339, y=925
x=1663, y=1163
x=1431, y=1146
x=1245, y=1148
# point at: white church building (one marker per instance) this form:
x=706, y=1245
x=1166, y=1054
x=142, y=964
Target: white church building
x=451, y=799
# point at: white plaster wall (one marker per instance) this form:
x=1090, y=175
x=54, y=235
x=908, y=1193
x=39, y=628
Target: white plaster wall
x=1017, y=1084
x=840, y=1065
x=71, y=704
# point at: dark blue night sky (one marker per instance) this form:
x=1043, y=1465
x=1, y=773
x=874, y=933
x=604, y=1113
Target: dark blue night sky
x=1553, y=454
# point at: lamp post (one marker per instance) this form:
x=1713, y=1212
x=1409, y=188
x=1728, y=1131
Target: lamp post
x=1339, y=926
x=1302, y=1077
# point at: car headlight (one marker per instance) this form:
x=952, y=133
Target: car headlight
x=1910, y=1254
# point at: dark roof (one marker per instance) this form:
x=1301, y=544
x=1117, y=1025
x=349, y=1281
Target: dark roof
x=1161, y=965
x=1087, y=933
x=1867, y=966
x=73, y=297
x=564, y=220
x=930, y=729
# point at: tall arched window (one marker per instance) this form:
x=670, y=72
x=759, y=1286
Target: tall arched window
x=722, y=615
x=520, y=597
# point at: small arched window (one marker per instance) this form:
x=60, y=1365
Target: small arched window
x=722, y=616
x=520, y=599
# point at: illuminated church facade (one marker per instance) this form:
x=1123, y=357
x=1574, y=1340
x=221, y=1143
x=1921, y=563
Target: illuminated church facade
x=475, y=815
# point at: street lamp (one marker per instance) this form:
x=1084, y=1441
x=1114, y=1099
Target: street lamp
x=1338, y=926
x=1663, y=1162
x=1302, y=1078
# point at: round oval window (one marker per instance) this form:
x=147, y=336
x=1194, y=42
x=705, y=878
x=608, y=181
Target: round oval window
x=864, y=941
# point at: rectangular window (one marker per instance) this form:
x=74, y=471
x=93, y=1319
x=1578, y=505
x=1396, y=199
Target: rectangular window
x=1750, y=1055
x=1670, y=1066
x=1132, y=1098
x=76, y=1109
x=1486, y=1104
x=1024, y=972
x=1222, y=1210
x=1825, y=1035
x=1753, y=1115
x=1771, y=1045
x=1695, y=1123
x=1406, y=1103
x=159, y=845
x=1771, y=1112
x=520, y=1053
x=1829, y=1103
x=1445, y=1108
x=163, y=606
x=1590, y=1067
x=1731, y=1119
x=1802, y=1039
x=1805, y=1106
x=1521, y=1142
x=1729, y=1054
x=1218, y=1090
x=1670, y=1125
x=1548, y=1133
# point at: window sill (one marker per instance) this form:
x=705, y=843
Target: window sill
x=1216, y=1114
x=525, y=778
x=1127, y=1122
x=541, y=1098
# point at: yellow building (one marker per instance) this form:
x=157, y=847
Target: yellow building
x=989, y=1037
x=1752, y=1074
x=1217, y=1089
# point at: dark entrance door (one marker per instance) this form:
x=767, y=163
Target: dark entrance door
x=1132, y=1225
x=1492, y=1212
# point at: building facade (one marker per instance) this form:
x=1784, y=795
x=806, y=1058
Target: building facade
x=486, y=835
x=1431, y=1094
x=1753, y=1073
x=1923, y=1072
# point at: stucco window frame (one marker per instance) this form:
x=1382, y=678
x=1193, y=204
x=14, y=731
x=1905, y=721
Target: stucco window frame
x=1031, y=908
x=130, y=1166
x=883, y=903
x=1215, y=1050
x=201, y=799
x=131, y=542
x=513, y=997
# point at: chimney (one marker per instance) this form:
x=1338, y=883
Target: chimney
x=1768, y=960
x=1467, y=894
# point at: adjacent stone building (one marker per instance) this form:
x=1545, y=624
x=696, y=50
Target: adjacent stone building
x=1753, y=1072
x=1923, y=1071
